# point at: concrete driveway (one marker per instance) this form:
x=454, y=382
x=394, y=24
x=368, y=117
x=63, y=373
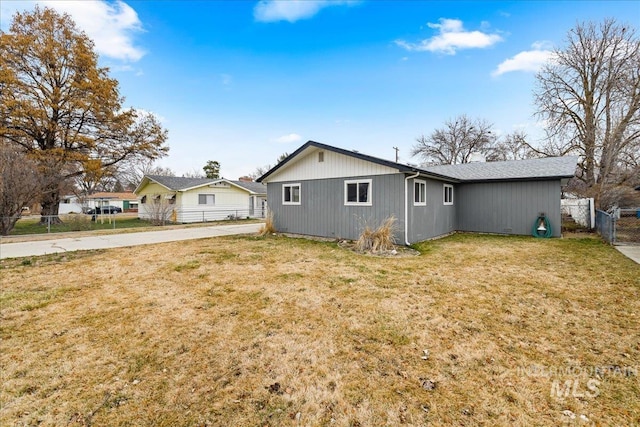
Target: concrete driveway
x=107, y=241
x=630, y=251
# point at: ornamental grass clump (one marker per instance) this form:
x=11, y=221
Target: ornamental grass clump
x=268, y=227
x=378, y=239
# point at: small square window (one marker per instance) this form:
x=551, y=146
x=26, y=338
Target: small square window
x=321, y=157
x=419, y=193
x=291, y=194
x=447, y=196
x=357, y=192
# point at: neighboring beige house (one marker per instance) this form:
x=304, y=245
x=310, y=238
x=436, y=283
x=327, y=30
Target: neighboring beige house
x=185, y=200
x=127, y=201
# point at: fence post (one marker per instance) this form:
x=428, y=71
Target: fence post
x=48, y=223
x=616, y=214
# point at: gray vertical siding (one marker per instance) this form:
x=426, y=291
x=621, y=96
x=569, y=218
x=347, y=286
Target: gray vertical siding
x=491, y=207
x=434, y=219
x=322, y=211
x=507, y=207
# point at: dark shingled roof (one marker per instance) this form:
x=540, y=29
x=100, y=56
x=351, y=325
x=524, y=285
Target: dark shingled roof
x=544, y=168
x=177, y=183
x=399, y=166
x=253, y=187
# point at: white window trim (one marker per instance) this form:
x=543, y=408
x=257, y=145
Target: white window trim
x=296, y=184
x=444, y=194
x=422, y=183
x=369, y=192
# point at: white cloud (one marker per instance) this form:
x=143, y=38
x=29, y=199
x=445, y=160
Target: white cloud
x=111, y=25
x=528, y=60
x=288, y=139
x=452, y=37
x=291, y=10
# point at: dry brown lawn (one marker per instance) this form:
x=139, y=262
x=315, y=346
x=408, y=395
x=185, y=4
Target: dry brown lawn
x=255, y=331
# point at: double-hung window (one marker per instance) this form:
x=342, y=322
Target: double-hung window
x=357, y=192
x=291, y=194
x=419, y=193
x=447, y=194
x=206, y=199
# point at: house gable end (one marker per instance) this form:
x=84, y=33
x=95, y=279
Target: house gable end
x=321, y=162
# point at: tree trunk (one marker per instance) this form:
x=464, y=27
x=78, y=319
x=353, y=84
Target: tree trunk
x=7, y=223
x=50, y=207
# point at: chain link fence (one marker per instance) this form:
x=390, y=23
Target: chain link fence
x=605, y=226
x=619, y=227
x=627, y=226
x=36, y=224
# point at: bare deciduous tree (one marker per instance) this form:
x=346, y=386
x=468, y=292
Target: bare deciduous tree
x=131, y=173
x=589, y=96
x=158, y=208
x=513, y=146
x=194, y=173
x=261, y=170
x=20, y=185
x=456, y=142
x=96, y=179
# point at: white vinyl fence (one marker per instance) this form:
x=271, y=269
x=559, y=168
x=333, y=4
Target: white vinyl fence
x=580, y=210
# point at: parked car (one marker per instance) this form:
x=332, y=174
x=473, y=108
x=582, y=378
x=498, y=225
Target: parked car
x=110, y=209
x=104, y=210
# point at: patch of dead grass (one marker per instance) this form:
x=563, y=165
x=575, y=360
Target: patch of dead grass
x=281, y=331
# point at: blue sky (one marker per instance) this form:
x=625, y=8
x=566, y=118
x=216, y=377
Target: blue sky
x=242, y=82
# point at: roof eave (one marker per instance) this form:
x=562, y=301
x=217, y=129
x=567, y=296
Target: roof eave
x=242, y=187
x=155, y=181
x=530, y=178
x=436, y=176
x=213, y=181
x=400, y=167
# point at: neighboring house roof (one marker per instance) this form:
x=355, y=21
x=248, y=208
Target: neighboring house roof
x=544, y=168
x=177, y=183
x=252, y=187
x=114, y=196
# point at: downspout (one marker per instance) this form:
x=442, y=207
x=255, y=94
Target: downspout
x=406, y=207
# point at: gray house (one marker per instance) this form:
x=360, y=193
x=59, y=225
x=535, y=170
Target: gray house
x=326, y=191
